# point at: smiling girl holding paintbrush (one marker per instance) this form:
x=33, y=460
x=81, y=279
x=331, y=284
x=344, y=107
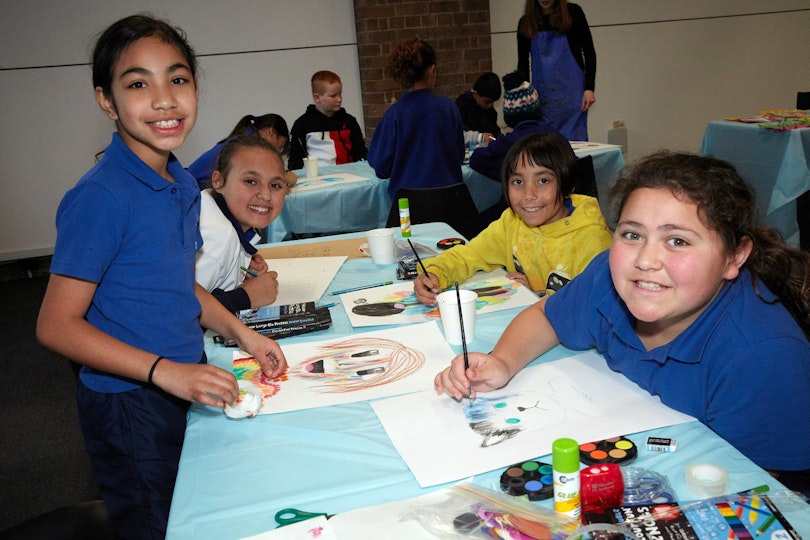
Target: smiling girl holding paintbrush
x=547, y=236
x=695, y=302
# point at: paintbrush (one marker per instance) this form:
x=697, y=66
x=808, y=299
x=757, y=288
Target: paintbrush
x=463, y=337
x=419, y=260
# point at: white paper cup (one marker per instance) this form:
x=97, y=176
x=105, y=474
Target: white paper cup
x=448, y=308
x=381, y=245
x=311, y=167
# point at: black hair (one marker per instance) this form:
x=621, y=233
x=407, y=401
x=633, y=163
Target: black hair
x=254, y=124
x=488, y=85
x=549, y=150
x=123, y=33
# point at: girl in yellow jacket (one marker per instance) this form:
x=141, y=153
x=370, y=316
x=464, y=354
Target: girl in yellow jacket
x=547, y=236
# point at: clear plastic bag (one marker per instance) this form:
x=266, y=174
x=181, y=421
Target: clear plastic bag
x=472, y=511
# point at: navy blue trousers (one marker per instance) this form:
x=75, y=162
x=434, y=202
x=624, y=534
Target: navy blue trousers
x=134, y=441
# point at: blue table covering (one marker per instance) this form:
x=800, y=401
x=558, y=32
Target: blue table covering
x=236, y=474
x=364, y=205
x=775, y=163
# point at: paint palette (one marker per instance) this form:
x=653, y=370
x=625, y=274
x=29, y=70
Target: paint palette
x=531, y=478
x=619, y=450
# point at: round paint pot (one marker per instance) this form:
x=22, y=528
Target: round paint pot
x=530, y=478
x=620, y=450
x=447, y=243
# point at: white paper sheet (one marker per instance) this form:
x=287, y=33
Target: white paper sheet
x=352, y=368
x=442, y=440
x=397, y=303
x=324, y=180
x=304, y=279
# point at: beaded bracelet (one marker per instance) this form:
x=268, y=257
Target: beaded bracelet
x=152, y=370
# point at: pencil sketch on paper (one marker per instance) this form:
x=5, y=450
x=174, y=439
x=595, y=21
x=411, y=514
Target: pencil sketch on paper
x=580, y=395
x=397, y=303
x=501, y=417
x=356, y=368
x=359, y=363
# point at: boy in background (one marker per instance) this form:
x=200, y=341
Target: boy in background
x=326, y=131
x=476, y=107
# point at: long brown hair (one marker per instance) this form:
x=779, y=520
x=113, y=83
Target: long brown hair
x=559, y=19
x=728, y=205
x=409, y=61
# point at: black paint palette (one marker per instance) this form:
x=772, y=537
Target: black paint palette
x=531, y=478
x=620, y=450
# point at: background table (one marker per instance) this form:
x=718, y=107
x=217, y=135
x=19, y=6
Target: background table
x=775, y=163
x=236, y=474
x=364, y=205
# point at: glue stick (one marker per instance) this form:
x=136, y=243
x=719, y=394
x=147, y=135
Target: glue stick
x=404, y=218
x=565, y=471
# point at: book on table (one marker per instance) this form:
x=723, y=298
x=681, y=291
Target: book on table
x=282, y=321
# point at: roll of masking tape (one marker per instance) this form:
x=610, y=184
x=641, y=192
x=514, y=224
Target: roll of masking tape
x=706, y=480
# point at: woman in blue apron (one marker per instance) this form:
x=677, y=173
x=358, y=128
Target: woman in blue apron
x=556, y=37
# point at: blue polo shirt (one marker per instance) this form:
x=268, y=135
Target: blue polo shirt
x=135, y=235
x=418, y=143
x=742, y=368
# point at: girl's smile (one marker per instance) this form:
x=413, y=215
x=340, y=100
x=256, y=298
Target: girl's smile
x=666, y=264
x=254, y=189
x=153, y=99
x=534, y=194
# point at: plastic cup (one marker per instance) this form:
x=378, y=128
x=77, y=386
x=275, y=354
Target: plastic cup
x=448, y=309
x=381, y=245
x=311, y=167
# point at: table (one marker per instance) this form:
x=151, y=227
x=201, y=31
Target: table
x=775, y=163
x=364, y=205
x=236, y=474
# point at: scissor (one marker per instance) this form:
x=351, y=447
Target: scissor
x=289, y=516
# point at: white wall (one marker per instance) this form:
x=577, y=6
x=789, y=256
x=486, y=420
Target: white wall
x=665, y=75
x=666, y=68
x=256, y=57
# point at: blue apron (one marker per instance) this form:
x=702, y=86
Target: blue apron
x=560, y=83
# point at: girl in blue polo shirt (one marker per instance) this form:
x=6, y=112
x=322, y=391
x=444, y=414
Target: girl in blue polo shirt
x=694, y=302
x=122, y=298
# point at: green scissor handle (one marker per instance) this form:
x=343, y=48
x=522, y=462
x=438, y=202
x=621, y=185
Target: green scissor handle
x=293, y=515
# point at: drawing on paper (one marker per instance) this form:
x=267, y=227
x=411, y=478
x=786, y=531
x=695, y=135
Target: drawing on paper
x=359, y=363
x=392, y=304
x=500, y=418
x=352, y=368
x=397, y=303
x=248, y=369
x=520, y=421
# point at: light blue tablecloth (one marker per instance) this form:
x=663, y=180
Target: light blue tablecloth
x=776, y=163
x=236, y=474
x=364, y=205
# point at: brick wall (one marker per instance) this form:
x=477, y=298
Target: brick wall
x=457, y=29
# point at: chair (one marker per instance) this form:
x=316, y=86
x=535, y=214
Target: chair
x=585, y=177
x=803, y=100
x=449, y=204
